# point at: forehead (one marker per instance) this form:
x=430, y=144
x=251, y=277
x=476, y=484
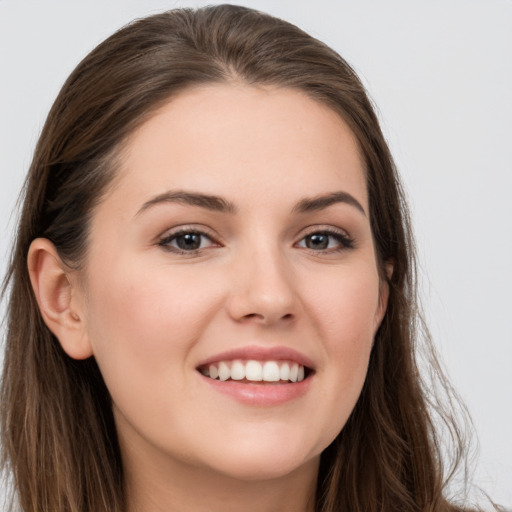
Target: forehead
x=242, y=141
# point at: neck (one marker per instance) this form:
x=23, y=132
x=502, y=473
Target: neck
x=180, y=487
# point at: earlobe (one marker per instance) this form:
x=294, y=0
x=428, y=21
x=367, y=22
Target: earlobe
x=58, y=298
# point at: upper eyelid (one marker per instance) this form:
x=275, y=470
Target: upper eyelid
x=184, y=229
x=322, y=228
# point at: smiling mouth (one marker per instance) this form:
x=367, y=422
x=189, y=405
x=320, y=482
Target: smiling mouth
x=253, y=371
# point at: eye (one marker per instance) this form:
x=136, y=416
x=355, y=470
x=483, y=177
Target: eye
x=186, y=241
x=326, y=240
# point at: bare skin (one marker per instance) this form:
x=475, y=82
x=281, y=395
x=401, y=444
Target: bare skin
x=238, y=225
x=211, y=492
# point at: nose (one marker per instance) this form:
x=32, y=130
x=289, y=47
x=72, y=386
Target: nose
x=263, y=289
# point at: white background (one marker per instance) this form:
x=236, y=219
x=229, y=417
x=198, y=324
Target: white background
x=441, y=75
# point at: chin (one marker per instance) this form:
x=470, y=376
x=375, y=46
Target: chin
x=266, y=468
x=262, y=458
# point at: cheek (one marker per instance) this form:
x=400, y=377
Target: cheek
x=143, y=321
x=145, y=298
x=345, y=308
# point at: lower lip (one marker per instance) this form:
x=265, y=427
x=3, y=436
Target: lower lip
x=261, y=394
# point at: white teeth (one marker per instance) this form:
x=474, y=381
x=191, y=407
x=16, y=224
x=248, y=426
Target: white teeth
x=214, y=372
x=294, y=371
x=255, y=371
x=271, y=371
x=237, y=370
x=224, y=372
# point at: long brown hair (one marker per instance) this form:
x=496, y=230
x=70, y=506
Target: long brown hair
x=58, y=433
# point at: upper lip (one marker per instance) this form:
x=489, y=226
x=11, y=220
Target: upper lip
x=258, y=353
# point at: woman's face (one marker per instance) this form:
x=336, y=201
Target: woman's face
x=236, y=240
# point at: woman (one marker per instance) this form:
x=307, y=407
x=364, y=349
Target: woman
x=219, y=309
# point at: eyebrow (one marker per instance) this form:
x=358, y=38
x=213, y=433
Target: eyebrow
x=208, y=202
x=219, y=204
x=326, y=200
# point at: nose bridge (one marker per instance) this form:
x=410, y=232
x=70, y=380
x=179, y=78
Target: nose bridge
x=263, y=283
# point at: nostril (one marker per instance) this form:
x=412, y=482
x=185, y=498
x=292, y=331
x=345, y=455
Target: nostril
x=267, y=319
x=251, y=316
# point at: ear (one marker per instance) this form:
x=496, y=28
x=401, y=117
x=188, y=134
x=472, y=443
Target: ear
x=383, y=295
x=59, y=298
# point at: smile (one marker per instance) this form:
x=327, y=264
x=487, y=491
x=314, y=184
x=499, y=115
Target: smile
x=259, y=376
x=255, y=371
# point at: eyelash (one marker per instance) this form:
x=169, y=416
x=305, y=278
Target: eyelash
x=166, y=241
x=345, y=242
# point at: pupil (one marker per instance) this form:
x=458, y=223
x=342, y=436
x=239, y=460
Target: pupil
x=189, y=241
x=317, y=242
